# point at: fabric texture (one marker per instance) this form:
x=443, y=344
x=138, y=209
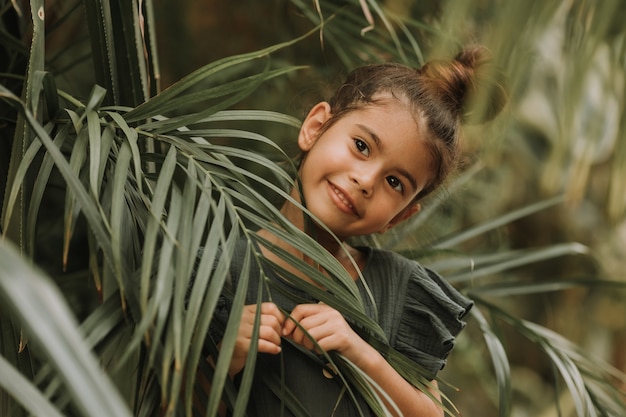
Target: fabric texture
x=419, y=312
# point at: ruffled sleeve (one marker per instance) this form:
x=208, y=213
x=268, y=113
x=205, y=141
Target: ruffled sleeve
x=431, y=318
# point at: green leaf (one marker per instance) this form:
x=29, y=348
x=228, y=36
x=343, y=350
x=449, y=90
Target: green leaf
x=25, y=392
x=153, y=106
x=456, y=239
x=50, y=324
x=88, y=208
x=500, y=362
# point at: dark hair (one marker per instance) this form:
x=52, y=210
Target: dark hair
x=437, y=94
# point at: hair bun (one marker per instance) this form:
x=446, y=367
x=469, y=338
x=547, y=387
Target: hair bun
x=469, y=85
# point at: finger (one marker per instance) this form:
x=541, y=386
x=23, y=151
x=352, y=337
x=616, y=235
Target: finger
x=265, y=346
x=302, y=338
x=274, y=318
x=269, y=314
x=272, y=309
x=316, y=337
x=270, y=334
x=299, y=313
x=310, y=331
x=308, y=323
x=267, y=308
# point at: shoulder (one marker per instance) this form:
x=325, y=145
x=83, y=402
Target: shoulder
x=418, y=283
x=390, y=268
x=429, y=311
x=398, y=270
x=430, y=283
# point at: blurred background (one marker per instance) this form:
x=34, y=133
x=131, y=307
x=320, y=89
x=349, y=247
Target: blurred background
x=560, y=144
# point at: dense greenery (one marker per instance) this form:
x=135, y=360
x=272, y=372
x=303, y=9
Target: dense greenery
x=111, y=184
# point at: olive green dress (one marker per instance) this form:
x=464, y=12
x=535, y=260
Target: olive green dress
x=419, y=312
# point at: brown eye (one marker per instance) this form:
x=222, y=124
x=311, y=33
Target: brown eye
x=362, y=147
x=395, y=183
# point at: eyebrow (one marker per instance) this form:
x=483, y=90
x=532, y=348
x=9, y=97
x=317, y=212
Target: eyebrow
x=371, y=133
x=379, y=143
x=409, y=177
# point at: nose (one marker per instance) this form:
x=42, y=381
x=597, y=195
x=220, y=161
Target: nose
x=365, y=180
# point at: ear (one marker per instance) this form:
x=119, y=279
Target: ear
x=409, y=211
x=309, y=131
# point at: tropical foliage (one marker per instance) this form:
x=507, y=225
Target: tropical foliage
x=112, y=185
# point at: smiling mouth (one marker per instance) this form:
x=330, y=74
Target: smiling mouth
x=344, y=199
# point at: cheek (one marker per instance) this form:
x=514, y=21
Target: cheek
x=391, y=210
x=326, y=158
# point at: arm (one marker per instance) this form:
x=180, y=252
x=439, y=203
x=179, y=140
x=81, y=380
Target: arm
x=331, y=332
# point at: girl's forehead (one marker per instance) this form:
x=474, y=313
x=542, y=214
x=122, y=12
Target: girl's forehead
x=387, y=112
x=392, y=104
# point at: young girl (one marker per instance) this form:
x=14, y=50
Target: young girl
x=386, y=139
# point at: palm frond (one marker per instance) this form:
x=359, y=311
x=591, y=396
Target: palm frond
x=590, y=381
x=50, y=324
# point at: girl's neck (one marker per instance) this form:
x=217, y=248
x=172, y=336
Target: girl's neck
x=335, y=246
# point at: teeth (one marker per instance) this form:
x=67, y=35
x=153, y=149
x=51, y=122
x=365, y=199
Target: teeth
x=342, y=197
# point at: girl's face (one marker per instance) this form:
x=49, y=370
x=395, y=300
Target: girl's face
x=361, y=175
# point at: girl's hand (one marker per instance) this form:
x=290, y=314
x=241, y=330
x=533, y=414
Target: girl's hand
x=271, y=323
x=326, y=326
x=330, y=330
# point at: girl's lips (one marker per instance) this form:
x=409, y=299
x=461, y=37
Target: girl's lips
x=342, y=199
